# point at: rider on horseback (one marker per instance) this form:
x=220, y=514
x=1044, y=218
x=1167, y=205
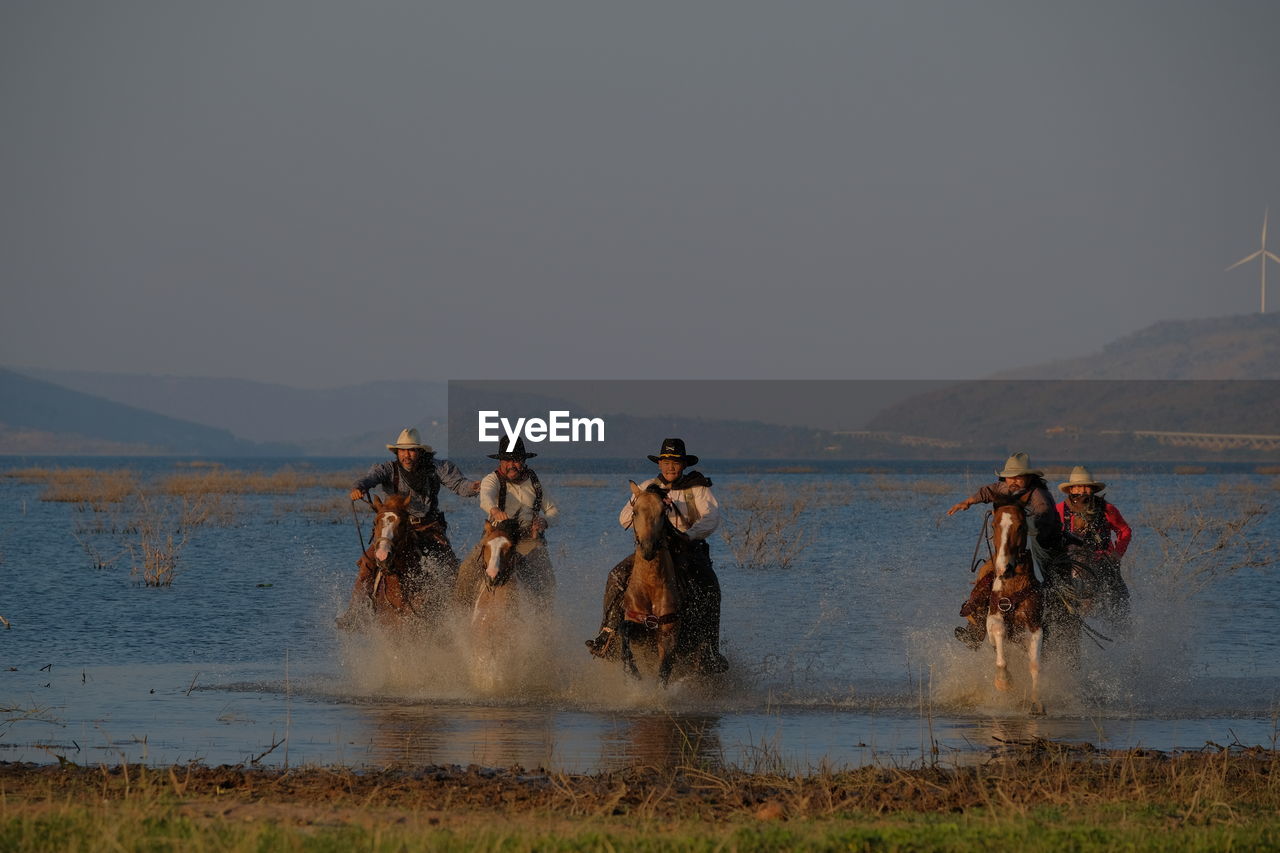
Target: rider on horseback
x=694, y=514
x=417, y=473
x=1020, y=484
x=513, y=492
x=1089, y=522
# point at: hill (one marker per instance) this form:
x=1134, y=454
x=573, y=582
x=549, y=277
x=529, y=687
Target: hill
x=1244, y=347
x=40, y=417
x=325, y=419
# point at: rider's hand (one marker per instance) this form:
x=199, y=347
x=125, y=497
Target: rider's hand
x=960, y=507
x=357, y=495
x=496, y=515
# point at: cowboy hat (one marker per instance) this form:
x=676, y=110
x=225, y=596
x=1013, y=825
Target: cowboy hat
x=673, y=448
x=517, y=453
x=1080, y=476
x=1019, y=465
x=410, y=440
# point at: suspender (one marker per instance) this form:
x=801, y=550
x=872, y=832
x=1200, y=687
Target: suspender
x=537, y=492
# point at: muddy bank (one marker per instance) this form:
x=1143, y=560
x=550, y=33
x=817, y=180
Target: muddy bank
x=1188, y=786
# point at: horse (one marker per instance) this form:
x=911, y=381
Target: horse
x=497, y=600
x=1015, y=608
x=651, y=602
x=389, y=585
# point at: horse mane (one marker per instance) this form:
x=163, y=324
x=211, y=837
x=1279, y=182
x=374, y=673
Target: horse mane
x=509, y=528
x=656, y=489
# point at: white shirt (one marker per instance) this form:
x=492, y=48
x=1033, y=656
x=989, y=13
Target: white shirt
x=694, y=512
x=519, y=501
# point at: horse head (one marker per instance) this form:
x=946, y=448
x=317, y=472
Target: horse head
x=498, y=541
x=648, y=520
x=390, y=526
x=1009, y=539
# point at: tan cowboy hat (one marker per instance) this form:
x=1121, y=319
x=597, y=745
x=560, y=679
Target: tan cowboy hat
x=673, y=448
x=1019, y=465
x=410, y=440
x=1080, y=476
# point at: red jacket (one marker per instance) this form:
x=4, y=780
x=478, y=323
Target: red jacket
x=1113, y=523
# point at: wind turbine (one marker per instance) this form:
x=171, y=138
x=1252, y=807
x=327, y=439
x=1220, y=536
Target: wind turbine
x=1262, y=254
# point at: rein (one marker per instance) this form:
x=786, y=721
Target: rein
x=977, y=546
x=355, y=519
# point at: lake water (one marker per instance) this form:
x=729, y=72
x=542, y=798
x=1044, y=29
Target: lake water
x=843, y=657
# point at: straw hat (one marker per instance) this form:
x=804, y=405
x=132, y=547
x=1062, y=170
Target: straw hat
x=410, y=440
x=1019, y=465
x=673, y=448
x=1080, y=476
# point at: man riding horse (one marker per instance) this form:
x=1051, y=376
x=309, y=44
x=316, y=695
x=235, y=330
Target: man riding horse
x=513, y=492
x=1018, y=484
x=1089, y=522
x=416, y=472
x=693, y=514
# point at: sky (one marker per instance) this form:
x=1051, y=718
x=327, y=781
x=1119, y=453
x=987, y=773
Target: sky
x=320, y=194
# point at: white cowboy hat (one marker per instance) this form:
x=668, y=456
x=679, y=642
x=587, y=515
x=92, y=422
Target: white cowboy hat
x=1080, y=476
x=410, y=440
x=1019, y=465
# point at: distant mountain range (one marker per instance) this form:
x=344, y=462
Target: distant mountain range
x=1244, y=347
x=69, y=412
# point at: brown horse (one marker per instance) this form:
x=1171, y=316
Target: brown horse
x=388, y=584
x=651, y=603
x=497, y=600
x=1015, y=609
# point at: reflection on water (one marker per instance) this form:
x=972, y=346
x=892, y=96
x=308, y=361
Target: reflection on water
x=843, y=658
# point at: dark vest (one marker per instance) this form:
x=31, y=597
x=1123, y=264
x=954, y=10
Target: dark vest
x=1092, y=529
x=427, y=489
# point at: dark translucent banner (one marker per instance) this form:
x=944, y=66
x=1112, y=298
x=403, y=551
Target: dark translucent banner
x=861, y=419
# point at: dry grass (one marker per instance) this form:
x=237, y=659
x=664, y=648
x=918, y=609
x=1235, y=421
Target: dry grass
x=285, y=481
x=585, y=483
x=1219, y=784
x=1190, y=469
x=763, y=525
x=1202, y=537
x=95, y=487
x=1267, y=469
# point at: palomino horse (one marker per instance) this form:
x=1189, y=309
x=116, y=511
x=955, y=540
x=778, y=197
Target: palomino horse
x=387, y=583
x=651, y=603
x=1014, y=610
x=497, y=600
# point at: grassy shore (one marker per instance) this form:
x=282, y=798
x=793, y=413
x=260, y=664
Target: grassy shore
x=1038, y=797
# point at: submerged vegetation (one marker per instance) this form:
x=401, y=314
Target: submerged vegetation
x=151, y=522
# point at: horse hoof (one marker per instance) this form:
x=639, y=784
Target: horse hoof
x=1037, y=709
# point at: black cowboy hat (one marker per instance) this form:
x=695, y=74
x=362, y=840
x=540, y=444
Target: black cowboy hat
x=673, y=448
x=517, y=453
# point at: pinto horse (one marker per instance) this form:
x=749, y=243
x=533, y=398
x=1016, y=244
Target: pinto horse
x=387, y=582
x=651, y=602
x=1015, y=608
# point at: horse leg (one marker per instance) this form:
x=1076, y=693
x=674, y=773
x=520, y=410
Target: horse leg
x=628, y=659
x=667, y=637
x=1033, y=662
x=996, y=634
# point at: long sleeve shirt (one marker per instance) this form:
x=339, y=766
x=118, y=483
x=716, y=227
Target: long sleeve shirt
x=422, y=484
x=694, y=511
x=519, y=500
x=1038, y=503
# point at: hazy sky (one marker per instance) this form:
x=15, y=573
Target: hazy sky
x=322, y=193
